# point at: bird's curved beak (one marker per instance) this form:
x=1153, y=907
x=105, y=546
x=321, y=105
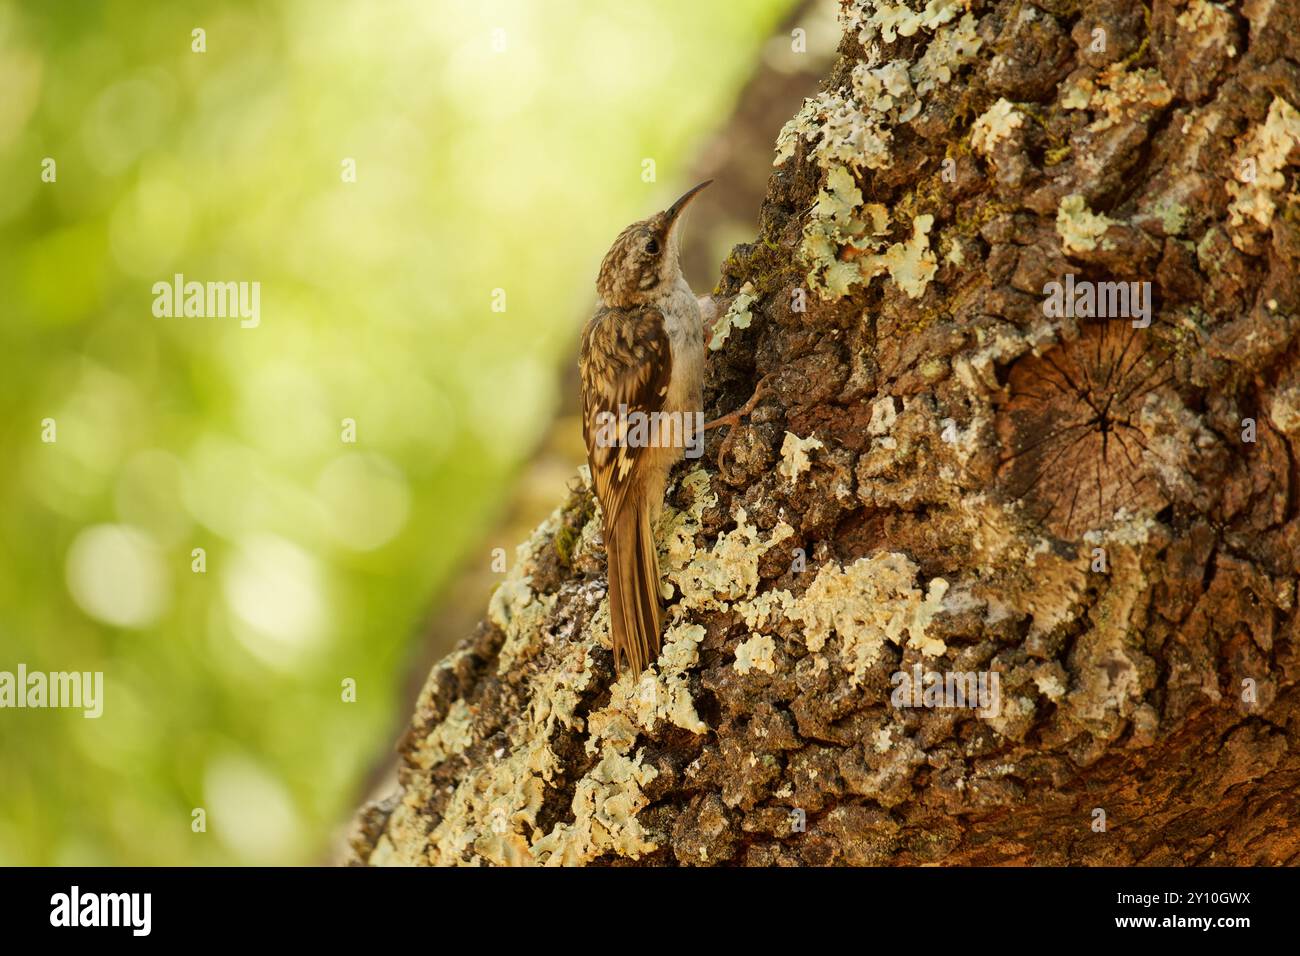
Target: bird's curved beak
x=677, y=208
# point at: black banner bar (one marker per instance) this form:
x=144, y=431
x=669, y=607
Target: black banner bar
x=930, y=905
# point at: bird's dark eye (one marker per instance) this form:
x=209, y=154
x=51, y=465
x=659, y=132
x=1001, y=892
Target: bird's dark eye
x=652, y=246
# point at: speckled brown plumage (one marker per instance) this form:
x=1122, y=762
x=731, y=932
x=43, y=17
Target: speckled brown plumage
x=642, y=355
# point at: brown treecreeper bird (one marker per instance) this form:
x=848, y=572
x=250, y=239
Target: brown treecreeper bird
x=642, y=361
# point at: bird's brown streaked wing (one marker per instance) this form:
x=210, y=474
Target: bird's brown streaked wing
x=626, y=360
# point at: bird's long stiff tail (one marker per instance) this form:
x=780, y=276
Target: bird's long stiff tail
x=635, y=606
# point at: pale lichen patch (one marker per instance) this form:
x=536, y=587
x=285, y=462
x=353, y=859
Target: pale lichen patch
x=1111, y=672
x=1014, y=713
x=513, y=608
x=845, y=135
x=448, y=738
x=558, y=692
x=726, y=572
x=1078, y=96
x=756, y=654
x=851, y=129
x=737, y=316
x=1080, y=229
x=1285, y=410
x=677, y=529
x=953, y=46
x=1257, y=166
x=997, y=123
x=762, y=610
x=1051, y=681
x=883, y=416
x=525, y=627
x=1121, y=94
x=638, y=702
x=492, y=814
x=1207, y=25
x=1200, y=16
x=794, y=456
x=1171, y=215
x=842, y=243
x=869, y=602
x=605, y=804
x=954, y=254
x=883, y=88
x=492, y=807
x=911, y=264
x=870, y=19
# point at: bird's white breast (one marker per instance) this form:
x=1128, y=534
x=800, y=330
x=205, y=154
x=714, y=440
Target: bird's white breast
x=686, y=338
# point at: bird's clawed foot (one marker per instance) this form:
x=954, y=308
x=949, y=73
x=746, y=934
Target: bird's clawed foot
x=733, y=418
x=764, y=387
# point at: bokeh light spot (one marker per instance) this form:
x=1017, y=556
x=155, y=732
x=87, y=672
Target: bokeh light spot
x=250, y=811
x=274, y=589
x=365, y=499
x=115, y=575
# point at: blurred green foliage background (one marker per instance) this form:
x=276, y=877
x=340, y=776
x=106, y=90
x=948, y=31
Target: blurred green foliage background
x=477, y=168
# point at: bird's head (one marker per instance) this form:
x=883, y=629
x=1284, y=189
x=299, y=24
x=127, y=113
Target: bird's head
x=642, y=264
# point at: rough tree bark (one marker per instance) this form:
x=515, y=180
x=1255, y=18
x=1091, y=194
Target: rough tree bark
x=956, y=471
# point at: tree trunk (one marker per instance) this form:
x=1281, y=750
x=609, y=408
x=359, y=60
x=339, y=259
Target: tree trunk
x=1026, y=291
